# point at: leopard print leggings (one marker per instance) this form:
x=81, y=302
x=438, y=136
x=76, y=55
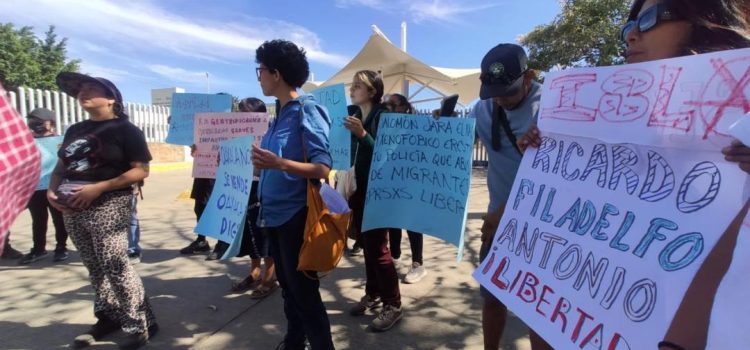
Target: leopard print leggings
x=101, y=235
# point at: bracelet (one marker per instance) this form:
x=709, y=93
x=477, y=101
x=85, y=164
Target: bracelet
x=671, y=345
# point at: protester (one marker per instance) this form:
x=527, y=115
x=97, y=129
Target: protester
x=293, y=150
x=509, y=106
x=100, y=160
x=665, y=29
x=398, y=103
x=41, y=122
x=19, y=173
x=134, y=235
x=200, y=192
x=254, y=242
x=382, y=280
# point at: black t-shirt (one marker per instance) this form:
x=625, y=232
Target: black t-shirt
x=101, y=150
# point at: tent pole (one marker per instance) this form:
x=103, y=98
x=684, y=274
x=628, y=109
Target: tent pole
x=405, y=82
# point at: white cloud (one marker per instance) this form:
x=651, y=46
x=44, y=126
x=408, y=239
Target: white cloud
x=443, y=11
x=367, y=3
x=422, y=10
x=108, y=72
x=141, y=26
x=181, y=75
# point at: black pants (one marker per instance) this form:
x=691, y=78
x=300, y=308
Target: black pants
x=198, y=208
x=305, y=313
x=40, y=210
x=416, y=241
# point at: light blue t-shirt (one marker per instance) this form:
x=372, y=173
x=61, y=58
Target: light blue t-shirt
x=503, y=163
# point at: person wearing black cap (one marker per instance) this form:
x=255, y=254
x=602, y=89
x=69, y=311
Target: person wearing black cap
x=41, y=122
x=99, y=162
x=509, y=106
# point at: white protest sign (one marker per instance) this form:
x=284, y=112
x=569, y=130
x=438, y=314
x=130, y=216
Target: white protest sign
x=599, y=241
x=213, y=128
x=687, y=102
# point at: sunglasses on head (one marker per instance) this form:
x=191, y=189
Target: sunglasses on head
x=648, y=19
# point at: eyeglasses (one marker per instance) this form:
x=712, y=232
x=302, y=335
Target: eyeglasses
x=648, y=20
x=259, y=69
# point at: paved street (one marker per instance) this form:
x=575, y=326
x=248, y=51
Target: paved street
x=45, y=305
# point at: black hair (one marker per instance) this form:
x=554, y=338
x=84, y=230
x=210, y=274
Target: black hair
x=403, y=101
x=374, y=83
x=287, y=59
x=716, y=24
x=252, y=104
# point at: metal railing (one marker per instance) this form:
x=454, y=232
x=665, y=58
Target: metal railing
x=149, y=118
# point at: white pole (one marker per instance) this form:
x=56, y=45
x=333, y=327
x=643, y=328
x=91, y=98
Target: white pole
x=405, y=82
x=208, y=84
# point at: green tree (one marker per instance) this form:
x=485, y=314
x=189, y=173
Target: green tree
x=585, y=33
x=26, y=60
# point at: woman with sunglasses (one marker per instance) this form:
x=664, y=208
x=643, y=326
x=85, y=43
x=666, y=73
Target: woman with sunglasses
x=661, y=29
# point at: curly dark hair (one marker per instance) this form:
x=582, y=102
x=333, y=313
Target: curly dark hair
x=287, y=59
x=717, y=24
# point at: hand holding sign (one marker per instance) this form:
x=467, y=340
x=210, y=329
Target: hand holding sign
x=355, y=126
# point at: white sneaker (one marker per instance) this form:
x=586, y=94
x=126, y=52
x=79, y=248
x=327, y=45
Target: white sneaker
x=415, y=274
x=397, y=263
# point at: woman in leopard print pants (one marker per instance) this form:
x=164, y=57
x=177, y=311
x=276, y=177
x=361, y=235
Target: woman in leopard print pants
x=100, y=160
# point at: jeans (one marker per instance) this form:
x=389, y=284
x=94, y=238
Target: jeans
x=305, y=313
x=134, y=235
x=382, y=278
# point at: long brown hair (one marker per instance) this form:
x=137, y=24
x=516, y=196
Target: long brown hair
x=716, y=24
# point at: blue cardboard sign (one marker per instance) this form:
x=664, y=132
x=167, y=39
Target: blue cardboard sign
x=224, y=217
x=184, y=108
x=340, y=138
x=420, y=176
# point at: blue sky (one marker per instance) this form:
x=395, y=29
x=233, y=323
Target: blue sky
x=142, y=44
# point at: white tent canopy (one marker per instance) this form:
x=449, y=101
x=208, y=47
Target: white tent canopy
x=396, y=67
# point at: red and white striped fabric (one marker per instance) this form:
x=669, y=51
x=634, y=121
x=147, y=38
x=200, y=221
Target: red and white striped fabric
x=20, y=164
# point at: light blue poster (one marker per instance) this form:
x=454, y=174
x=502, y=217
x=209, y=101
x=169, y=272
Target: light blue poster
x=184, y=107
x=48, y=147
x=340, y=138
x=420, y=176
x=224, y=217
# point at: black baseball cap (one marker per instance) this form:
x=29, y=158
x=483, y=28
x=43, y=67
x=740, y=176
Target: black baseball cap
x=70, y=83
x=43, y=114
x=503, y=68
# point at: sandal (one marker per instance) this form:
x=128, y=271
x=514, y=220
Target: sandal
x=246, y=284
x=264, y=291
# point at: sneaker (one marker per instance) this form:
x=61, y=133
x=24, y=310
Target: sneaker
x=285, y=346
x=212, y=256
x=415, y=274
x=32, y=257
x=99, y=330
x=196, y=247
x=61, y=255
x=367, y=302
x=11, y=254
x=134, y=258
x=397, y=263
x=135, y=341
x=387, y=318
x=355, y=251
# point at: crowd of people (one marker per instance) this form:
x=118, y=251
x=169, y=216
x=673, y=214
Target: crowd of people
x=93, y=191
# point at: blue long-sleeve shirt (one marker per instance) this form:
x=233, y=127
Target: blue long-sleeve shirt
x=301, y=121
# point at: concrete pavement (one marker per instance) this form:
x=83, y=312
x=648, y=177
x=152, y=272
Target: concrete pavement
x=45, y=305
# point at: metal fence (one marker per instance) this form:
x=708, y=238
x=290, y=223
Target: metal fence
x=149, y=118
